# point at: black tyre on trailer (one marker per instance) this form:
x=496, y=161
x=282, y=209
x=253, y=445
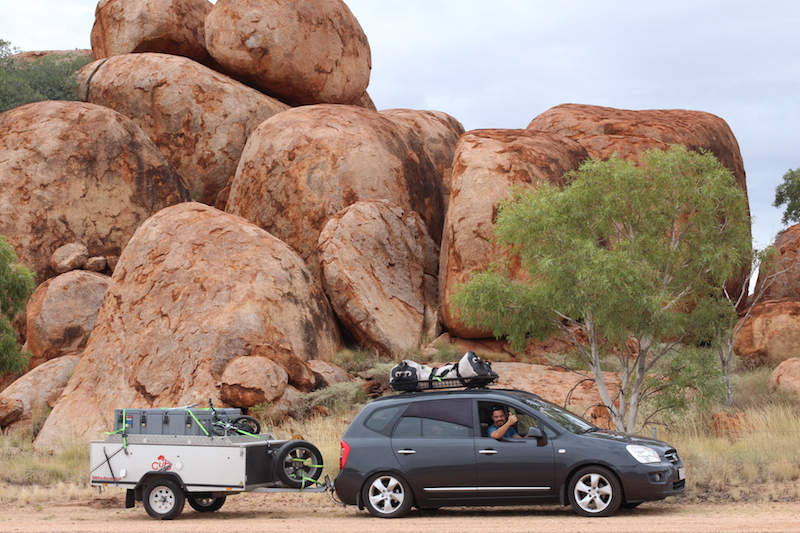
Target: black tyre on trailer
x=163, y=498
x=205, y=503
x=298, y=464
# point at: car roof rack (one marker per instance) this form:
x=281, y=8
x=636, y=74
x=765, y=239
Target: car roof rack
x=476, y=382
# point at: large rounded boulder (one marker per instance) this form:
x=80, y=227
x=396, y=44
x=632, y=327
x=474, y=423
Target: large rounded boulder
x=301, y=167
x=379, y=270
x=198, y=118
x=77, y=172
x=61, y=314
x=486, y=166
x=168, y=26
x=779, y=274
x=195, y=290
x=439, y=133
x=770, y=334
x=303, y=52
x=604, y=131
x=34, y=394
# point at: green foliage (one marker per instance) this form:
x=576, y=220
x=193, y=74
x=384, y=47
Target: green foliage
x=693, y=380
x=357, y=360
x=339, y=399
x=788, y=193
x=26, y=81
x=16, y=285
x=624, y=251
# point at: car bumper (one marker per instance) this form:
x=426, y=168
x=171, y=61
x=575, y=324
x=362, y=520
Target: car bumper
x=649, y=482
x=347, y=486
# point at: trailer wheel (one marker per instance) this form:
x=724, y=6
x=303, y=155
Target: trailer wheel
x=205, y=504
x=298, y=464
x=163, y=499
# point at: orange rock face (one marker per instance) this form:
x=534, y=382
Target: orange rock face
x=604, y=131
x=61, y=314
x=487, y=164
x=77, y=172
x=572, y=389
x=439, y=133
x=168, y=26
x=379, y=268
x=195, y=290
x=780, y=277
x=301, y=51
x=786, y=377
x=198, y=118
x=301, y=167
x=771, y=334
x=36, y=391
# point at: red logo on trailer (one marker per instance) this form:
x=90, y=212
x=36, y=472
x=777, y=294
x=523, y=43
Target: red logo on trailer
x=161, y=464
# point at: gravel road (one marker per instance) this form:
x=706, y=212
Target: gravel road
x=305, y=513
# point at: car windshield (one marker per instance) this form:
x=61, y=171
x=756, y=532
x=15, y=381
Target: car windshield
x=569, y=421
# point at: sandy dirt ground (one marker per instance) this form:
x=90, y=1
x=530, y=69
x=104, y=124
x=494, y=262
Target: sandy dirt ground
x=255, y=512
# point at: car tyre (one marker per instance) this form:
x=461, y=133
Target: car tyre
x=595, y=491
x=387, y=496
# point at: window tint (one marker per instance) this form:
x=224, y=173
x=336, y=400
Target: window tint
x=443, y=430
x=409, y=426
x=382, y=419
x=457, y=411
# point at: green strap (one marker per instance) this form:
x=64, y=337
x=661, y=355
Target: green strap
x=198, y=422
x=121, y=430
x=303, y=478
x=247, y=433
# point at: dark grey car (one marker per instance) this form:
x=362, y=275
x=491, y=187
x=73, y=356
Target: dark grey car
x=430, y=450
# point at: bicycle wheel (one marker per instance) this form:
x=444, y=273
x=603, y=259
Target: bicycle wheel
x=247, y=424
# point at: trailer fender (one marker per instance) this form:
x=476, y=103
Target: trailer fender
x=138, y=490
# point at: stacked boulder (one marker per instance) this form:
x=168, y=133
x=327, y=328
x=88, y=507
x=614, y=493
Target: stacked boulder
x=227, y=208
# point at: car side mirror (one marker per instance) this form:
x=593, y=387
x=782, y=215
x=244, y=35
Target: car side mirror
x=536, y=433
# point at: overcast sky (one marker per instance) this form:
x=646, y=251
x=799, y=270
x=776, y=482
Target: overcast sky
x=499, y=64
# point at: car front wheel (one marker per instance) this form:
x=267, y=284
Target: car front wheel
x=595, y=491
x=387, y=496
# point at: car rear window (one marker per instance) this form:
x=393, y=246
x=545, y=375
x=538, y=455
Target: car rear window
x=383, y=419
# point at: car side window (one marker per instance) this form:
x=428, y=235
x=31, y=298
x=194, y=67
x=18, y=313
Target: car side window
x=443, y=430
x=409, y=426
x=525, y=421
x=436, y=418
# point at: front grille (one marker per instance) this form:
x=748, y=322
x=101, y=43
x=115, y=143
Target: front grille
x=679, y=485
x=672, y=456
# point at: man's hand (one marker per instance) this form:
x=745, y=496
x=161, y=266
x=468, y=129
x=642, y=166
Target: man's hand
x=512, y=419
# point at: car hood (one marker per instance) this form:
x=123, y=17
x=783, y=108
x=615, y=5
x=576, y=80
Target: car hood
x=627, y=438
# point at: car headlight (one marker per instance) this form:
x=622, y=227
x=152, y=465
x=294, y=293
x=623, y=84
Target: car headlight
x=643, y=454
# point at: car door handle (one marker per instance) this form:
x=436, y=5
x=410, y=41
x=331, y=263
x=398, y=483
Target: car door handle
x=488, y=452
x=406, y=452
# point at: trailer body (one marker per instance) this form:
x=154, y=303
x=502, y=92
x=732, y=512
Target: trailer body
x=164, y=470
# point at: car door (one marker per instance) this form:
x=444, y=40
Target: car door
x=434, y=444
x=514, y=468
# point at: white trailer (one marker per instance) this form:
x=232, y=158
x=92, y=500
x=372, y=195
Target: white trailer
x=164, y=471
